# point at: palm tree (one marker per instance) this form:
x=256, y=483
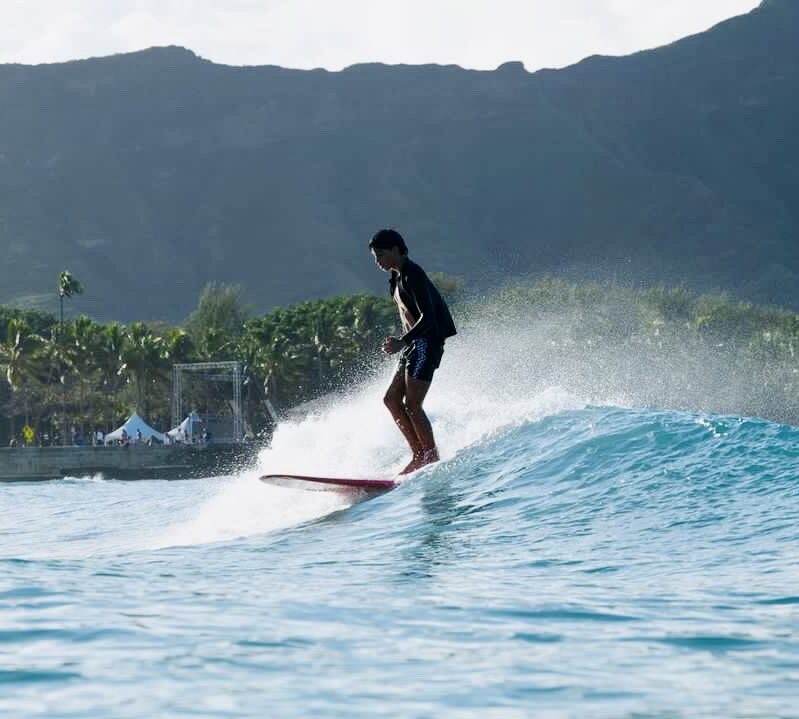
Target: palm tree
x=143, y=361
x=279, y=359
x=109, y=362
x=214, y=345
x=85, y=340
x=57, y=363
x=68, y=285
x=19, y=360
x=17, y=352
x=178, y=346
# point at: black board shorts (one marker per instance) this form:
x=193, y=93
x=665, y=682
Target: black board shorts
x=421, y=359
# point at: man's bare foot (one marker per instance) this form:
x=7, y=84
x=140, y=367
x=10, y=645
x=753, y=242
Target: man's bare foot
x=413, y=465
x=428, y=456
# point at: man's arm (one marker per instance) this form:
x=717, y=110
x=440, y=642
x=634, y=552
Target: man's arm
x=419, y=289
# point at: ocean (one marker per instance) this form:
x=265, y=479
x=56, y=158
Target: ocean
x=570, y=556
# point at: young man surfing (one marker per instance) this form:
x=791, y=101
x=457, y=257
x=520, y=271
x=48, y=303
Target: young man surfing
x=426, y=324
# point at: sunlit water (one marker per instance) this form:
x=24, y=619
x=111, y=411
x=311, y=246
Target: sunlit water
x=567, y=558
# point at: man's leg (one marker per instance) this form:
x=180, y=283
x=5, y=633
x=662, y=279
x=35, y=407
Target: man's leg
x=415, y=392
x=394, y=400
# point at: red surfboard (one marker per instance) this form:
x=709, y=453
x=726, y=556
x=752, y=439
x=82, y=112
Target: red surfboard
x=319, y=484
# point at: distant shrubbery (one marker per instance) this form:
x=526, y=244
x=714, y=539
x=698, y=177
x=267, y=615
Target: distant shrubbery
x=665, y=347
x=100, y=373
x=650, y=314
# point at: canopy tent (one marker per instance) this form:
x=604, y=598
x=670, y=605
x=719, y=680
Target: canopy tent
x=187, y=429
x=134, y=423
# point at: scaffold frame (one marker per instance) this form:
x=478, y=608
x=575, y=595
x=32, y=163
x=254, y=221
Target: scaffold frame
x=230, y=372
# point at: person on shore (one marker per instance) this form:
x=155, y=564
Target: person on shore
x=426, y=324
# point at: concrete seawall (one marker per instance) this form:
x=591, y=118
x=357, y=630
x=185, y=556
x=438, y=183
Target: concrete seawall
x=129, y=462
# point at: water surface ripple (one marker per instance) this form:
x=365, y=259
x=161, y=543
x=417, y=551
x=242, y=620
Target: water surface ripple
x=590, y=561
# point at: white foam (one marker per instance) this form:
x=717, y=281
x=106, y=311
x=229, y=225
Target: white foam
x=97, y=477
x=245, y=506
x=484, y=385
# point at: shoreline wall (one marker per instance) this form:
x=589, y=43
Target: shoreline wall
x=120, y=462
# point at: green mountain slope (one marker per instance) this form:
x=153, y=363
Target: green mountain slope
x=149, y=174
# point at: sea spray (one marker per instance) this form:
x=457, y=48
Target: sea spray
x=482, y=388
x=513, y=362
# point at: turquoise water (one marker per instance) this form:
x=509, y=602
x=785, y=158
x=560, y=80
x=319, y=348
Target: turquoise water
x=564, y=560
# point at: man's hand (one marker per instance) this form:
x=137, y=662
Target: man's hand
x=392, y=345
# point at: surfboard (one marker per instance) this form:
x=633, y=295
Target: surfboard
x=320, y=484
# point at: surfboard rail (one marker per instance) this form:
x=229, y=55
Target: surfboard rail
x=299, y=481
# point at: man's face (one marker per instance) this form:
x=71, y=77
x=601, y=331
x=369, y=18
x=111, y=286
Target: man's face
x=387, y=260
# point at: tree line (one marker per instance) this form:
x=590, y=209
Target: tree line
x=662, y=347
x=60, y=376
x=711, y=352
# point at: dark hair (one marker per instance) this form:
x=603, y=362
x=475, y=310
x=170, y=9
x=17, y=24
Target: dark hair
x=386, y=239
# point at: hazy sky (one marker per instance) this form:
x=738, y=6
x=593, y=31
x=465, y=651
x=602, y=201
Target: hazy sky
x=337, y=33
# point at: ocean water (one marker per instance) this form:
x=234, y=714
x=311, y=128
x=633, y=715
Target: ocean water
x=571, y=556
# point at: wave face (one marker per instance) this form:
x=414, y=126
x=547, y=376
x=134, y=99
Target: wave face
x=563, y=560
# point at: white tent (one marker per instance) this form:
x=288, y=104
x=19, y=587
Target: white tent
x=133, y=423
x=187, y=429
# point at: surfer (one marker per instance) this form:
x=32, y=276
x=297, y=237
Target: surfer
x=426, y=324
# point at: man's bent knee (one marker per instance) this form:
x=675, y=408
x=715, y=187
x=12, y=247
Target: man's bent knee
x=393, y=402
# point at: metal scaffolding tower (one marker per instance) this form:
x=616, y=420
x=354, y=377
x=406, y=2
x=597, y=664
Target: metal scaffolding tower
x=215, y=372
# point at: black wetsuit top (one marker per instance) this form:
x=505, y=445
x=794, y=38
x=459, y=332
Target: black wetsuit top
x=428, y=310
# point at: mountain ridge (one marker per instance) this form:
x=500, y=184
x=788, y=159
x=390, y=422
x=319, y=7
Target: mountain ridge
x=151, y=173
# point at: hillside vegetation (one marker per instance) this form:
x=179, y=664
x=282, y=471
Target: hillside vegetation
x=153, y=173
x=660, y=347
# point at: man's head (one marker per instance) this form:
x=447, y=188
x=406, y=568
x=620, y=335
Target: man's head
x=389, y=250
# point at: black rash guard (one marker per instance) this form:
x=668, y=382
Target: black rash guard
x=430, y=314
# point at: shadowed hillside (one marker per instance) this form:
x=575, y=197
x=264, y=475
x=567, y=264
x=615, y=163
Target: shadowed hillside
x=149, y=174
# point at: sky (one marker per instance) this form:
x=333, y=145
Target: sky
x=333, y=34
